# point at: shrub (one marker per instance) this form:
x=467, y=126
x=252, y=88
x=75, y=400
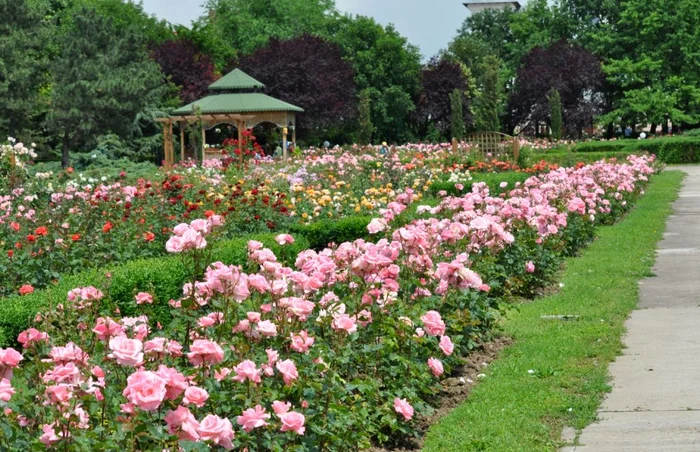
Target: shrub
x=321, y=233
x=163, y=277
x=676, y=149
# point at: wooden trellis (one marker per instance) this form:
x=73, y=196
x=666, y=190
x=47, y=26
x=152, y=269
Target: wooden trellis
x=493, y=145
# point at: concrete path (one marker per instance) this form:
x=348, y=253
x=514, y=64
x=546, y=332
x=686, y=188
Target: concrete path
x=655, y=401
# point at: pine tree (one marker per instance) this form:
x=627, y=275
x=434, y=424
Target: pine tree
x=555, y=115
x=102, y=78
x=457, y=107
x=365, y=118
x=489, y=101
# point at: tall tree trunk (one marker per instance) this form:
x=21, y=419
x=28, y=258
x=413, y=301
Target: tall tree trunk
x=65, y=151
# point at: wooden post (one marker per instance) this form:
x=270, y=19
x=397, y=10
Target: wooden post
x=240, y=124
x=455, y=149
x=294, y=137
x=182, y=140
x=165, y=144
x=284, y=142
x=516, y=149
x=204, y=142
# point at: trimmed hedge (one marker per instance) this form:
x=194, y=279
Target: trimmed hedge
x=676, y=149
x=163, y=277
x=321, y=233
x=567, y=158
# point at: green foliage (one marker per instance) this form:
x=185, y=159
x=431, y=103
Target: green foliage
x=23, y=65
x=101, y=78
x=672, y=150
x=488, y=103
x=493, y=180
x=163, y=277
x=555, y=115
x=457, y=109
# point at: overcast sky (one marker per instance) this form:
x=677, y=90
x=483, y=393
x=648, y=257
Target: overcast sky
x=428, y=24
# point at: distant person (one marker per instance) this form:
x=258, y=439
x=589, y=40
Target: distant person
x=628, y=132
x=384, y=150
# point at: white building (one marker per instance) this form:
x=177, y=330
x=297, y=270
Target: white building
x=477, y=6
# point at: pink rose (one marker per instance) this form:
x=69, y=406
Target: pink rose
x=281, y=407
x=433, y=323
x=344, y=322
x=145, y=390
x=127, y=352
x=217, y=430
x=302, y=342
x=9, y=358
x=203, y=351
x=446, y=345
x=6, y=390
x=49, y=436
x=31, y=336
x=293, y=422
x=247, y=370
x=404, y=408
x=254, y=245
x=267, y=328
x=435, y=366
x=530, y=267
x=144, y=298
x=377, y=225
x=288, y=370
x=182, y=423
x=196, y=396
x=253, y=418
x=175, y=382
x=284, y=239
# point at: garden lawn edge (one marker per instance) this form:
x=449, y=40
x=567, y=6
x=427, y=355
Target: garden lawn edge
x=163, y=277
x=556, y=373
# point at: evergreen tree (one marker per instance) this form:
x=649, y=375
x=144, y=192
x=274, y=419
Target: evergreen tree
x=555, y=116
x=488, y=103
x=456, y=102
x=365, y=118
x=102, y=78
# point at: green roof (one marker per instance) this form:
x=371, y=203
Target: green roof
x=236, y=79
x=236, y=103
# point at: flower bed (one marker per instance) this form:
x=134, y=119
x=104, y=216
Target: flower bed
x=343, y=348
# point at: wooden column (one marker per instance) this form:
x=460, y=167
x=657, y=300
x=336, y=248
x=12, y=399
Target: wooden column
x=294, y=137
x=171, y=145
x=204, y=143
x=240, y=124
x=182, y=140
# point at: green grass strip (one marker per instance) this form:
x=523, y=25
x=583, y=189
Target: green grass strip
x=513, y=410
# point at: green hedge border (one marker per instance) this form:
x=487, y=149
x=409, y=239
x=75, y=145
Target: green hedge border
x=672, y=150
x=162, y=276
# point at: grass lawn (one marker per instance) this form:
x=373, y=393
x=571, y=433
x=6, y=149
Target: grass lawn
x=556, y=373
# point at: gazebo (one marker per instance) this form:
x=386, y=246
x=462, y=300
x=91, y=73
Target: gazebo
x=235, y=99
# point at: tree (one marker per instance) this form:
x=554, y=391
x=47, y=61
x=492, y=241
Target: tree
x=308, y=72
x=573, y=71
x=101, y=79
x=652, y=62
x=248, y=25
x=439, y=79
x=487, y=105
x=187, y=67
x=555, y=117
x=385, y=64
x=457, y=107
x=364, y=116
x=23, y=65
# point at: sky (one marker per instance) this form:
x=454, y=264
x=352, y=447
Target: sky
x=428, y=24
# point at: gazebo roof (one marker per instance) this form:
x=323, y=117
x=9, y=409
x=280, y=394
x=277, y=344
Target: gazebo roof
x=236, y=103
x=236, y=80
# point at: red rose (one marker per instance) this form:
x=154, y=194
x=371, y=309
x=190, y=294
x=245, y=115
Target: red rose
x=31, y=238
x=10, y=253
x=149, y=236
x=41, y=230
x=75, y=237
x=107, y=227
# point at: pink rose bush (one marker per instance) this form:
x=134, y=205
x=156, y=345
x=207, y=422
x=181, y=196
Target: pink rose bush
x=301, y=355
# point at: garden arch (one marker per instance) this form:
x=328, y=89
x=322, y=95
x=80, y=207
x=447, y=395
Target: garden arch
x=499, y=145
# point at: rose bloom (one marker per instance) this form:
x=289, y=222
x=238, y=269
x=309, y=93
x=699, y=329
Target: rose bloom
x=6, y=390
x=344, y=322
x=281, y=407
x=288, y=370
x=217, y=430
x=433, y=323
x=205, y=352
x=530, y=267
x=302, y=342
x=446, y=345
x=9, y=358
x=267, y=328
x=107, y=227
x=175, y=382
x=145, y=390
x=196, y=396
x=247, y=370
x=404, y=408
x=127, y=352
x=284, y=239
x=293, y=422
x=182, y=423
x=26, y=289
x=149, y=236
x=253, y=418
x=144, y=298
x=31, y=336
x=435, y=366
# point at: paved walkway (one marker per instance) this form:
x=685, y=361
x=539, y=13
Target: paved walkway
x=655, y=401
